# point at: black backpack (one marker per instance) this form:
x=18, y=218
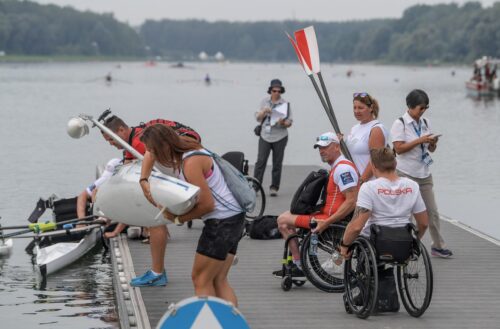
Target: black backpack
x=310, y=196
x=264, y=228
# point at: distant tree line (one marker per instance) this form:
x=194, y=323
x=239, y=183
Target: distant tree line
x=445, y=33
x=28, y=28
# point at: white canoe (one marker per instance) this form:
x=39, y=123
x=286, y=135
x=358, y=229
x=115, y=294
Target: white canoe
x=5, y=247
x=121, y=198
x=52, y=258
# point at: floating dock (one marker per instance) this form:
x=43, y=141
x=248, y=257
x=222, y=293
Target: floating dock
x=466, y=287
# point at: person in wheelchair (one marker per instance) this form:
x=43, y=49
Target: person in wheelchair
x=389, y=200
x=341, y=194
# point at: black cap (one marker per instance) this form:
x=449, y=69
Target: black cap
x=276, y=83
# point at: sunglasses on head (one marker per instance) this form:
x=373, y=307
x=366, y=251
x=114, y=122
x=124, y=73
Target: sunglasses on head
x=360, y=95
x=322, y=138
x=276, y=91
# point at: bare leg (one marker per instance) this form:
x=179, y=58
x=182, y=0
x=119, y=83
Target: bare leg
x=158, y=244
x=222, y=287
x=286, y=225
x=205, y=270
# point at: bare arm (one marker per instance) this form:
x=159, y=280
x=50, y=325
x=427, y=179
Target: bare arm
x=356, y=225
x=118, y=229
x=146, y=169
x=422, y=220
x=403, y=147
x=261, y=114
x=81, y=204
x=351, y=195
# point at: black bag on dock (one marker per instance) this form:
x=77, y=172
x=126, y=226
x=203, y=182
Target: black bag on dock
x=264, y=228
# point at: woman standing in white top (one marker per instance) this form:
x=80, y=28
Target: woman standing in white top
x=222, y=216
x=413, y=140
x=368, y=134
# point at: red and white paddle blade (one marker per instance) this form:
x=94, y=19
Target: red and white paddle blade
x=308, y=47
x=299, y=55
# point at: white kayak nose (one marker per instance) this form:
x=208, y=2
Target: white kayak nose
x=121, y=198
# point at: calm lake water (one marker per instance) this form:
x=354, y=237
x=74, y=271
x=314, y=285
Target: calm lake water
x=37, y=100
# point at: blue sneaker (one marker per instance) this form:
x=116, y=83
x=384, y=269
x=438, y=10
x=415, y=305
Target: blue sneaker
x=443, y=253
x=149, y=279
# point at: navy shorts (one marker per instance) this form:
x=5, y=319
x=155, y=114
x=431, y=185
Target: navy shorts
x=221, y=236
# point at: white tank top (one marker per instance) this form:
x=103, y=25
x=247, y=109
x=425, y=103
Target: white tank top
x=225, y=203
x=357, y=142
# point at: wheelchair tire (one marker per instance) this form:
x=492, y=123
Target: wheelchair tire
x=361, y=278
x=415, y=282
x=260, y=204
x=286, y=283
x=322, y=269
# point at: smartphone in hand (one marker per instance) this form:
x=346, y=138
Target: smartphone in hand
x=436, y=136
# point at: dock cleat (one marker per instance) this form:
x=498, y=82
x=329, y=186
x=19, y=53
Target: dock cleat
x=149, y=279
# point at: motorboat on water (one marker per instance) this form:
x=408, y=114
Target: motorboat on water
x=485, y=81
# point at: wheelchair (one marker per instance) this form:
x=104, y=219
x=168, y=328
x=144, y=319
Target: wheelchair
x=324, y=269
x=414, y=275
x=237, y=159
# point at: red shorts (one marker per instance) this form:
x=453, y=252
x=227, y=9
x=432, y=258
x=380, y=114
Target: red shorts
x=303, y=221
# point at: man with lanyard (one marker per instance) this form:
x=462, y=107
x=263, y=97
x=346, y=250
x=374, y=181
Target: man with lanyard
x=341, y=195
x=158, y=235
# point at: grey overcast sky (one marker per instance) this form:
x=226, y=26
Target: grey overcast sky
x=136, y=11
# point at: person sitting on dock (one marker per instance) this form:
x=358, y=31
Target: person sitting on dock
x=223, y=217
x=341, y=194
x=88, y=194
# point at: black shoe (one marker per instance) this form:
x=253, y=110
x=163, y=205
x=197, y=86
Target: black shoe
x=296, y=273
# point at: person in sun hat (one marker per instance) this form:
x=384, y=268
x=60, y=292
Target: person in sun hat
x=341, y=195
x=273, y=134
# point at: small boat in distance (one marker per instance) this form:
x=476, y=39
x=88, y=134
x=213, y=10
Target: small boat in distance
x=485, y=81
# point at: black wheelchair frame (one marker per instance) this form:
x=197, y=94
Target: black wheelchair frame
x=324, y=269
x=362, y=281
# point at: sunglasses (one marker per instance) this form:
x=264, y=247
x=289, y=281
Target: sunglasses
x=323, y=138
x=276, y=91
x=360, y=95
x=424, y=107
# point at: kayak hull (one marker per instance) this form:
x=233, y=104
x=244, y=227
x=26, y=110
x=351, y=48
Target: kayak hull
x=121, y=198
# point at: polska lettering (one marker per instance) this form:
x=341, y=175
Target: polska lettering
x=399, y=191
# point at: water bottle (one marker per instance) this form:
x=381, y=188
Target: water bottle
x=313, y=241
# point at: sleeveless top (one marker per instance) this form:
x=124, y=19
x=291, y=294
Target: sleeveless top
x=357, y=142
x=224, y=201
x=334, y=197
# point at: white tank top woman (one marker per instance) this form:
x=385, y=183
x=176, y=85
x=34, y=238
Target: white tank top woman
x=358, y=143
x=225, y=203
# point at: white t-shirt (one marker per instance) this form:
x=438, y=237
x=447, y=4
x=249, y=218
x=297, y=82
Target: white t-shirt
x=391, y=202
x=357, y=143
x=344, y=176
x=411, y=162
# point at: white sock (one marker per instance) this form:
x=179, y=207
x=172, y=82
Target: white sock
x=155, y=273
x=298, y=263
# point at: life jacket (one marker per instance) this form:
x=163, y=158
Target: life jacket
x=334, y=197
x=182, y=130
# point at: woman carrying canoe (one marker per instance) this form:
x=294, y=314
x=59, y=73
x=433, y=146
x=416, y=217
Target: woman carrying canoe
x=217, y=207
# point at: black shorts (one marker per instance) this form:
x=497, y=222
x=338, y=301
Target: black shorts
x=221, y=236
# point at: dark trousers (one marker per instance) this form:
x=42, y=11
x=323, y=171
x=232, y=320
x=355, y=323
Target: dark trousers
x=265, y=148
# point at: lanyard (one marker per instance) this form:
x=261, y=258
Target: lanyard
x=419, y=132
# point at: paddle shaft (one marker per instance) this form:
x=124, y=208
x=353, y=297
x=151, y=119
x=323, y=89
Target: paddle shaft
x=331, y=117
x=58, y=223
x=345, y=150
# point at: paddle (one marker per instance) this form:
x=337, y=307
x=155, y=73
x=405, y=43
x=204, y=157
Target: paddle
x=40, y=227
x=306, y=48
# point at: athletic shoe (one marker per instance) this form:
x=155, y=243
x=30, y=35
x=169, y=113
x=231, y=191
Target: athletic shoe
x=332, y=268
x=296, y=273
x=273, y=191
x=149, y=279
x=443, y=253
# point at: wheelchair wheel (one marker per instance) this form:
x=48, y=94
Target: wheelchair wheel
x=415, y=282
x=260, y=204
x=361, y=279
x=325, y=269
x=286, y=283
